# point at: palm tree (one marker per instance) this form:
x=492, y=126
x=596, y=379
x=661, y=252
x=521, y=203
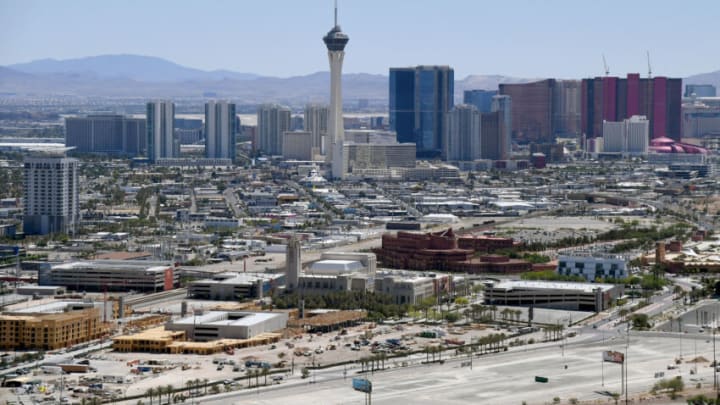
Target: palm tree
x=169, y=390
x=265, y=373
x=160, y=391
x=150, y=393
x=205, y=381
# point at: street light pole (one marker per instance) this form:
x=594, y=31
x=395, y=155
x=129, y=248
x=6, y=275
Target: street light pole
x=715, y=365
x=625, y=362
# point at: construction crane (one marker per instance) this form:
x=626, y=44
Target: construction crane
x=649, y=68
x=607, y=69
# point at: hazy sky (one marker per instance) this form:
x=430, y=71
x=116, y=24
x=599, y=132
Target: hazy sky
x=525, y=38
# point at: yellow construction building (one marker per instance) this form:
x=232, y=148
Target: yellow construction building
x=160, y=340
x=50, y=327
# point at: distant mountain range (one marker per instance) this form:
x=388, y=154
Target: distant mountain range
x=152, y=77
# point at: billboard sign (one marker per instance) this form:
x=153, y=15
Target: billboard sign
x=613, y=357
x=362, y=384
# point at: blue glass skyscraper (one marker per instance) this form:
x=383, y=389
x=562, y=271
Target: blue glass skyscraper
x=481, y=99
x=419, y=99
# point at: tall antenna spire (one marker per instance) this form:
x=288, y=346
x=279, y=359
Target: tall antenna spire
x=336, y=13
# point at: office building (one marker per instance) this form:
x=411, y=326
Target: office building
x=420, y=98
x=532, y=114
x=50, y=327
x=440, y=251
x=503, y=105
x=316, y=122
x=335, y=41
x=110, y=275
x=162, y=141
x=481, y=99
x=615, y=99
x=272, y=122
x=220, y=130
x=463, y=131
x=549, y=294
x=51, y=195
x=297, y=145
x=628, y=137
x=107, y=134
x=592, y=267
x=566, y=111
x=700, y=90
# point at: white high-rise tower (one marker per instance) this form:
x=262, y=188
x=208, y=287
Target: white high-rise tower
x=335, y=40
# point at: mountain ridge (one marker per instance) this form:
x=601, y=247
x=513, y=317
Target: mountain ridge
x=127, y=75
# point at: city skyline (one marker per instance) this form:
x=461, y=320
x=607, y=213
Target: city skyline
x=518, y=38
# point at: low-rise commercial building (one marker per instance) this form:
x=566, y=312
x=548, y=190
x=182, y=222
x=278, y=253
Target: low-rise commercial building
x=592, y=267
x=235, y=286
x=411, y=287
x=338, y=271
x=548, y=294
x=214, y=325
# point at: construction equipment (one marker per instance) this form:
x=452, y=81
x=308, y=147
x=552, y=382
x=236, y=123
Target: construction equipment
x=607, y=69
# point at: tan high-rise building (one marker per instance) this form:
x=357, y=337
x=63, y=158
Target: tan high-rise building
x=316, y=122
x=272, y=122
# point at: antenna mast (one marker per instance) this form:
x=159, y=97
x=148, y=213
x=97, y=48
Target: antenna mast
x=649, y=68
x=336, y=13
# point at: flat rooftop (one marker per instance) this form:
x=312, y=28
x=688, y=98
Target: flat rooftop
x=552, y=285
x=53, y=307
x=115, y=265
x=221, y=318
x=239, y=278
x=336, y=266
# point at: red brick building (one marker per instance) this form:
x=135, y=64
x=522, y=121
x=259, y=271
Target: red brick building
x=444, y=251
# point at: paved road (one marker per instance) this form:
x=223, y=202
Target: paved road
x=232, y=201
x=505, y=378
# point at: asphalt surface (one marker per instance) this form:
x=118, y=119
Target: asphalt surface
x=504, y=378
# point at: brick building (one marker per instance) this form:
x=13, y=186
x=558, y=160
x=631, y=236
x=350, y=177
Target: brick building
x=444, y=251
